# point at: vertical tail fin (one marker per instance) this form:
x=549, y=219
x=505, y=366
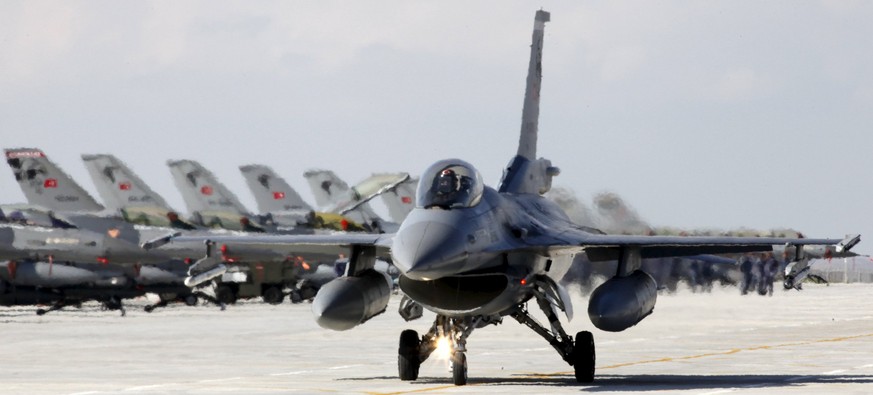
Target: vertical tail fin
x=530, y=113
x=332, y=194
x=401, y=199
x=118, y=186
x=45, y=184
x=327, y=188
x=272, y=193
x=525, y=173
x=356, y=200
x=201, y=190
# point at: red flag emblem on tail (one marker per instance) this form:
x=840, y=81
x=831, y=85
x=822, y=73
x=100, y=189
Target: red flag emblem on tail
x=124, y=186
x=206, y=190
x=50, y=183
x=406, y=200
x=278, y=195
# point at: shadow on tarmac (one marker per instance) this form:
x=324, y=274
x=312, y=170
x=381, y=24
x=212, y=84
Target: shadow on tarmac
x=634, y=383
x=698, y=382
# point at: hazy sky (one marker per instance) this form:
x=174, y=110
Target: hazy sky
x=700, y=114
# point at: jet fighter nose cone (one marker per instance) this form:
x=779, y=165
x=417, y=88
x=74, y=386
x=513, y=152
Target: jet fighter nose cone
x=429, y=250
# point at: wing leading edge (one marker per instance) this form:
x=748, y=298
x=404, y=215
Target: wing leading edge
x=324, y=243
x=600, y=247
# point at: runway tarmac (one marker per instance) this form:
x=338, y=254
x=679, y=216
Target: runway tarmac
x=819, y=340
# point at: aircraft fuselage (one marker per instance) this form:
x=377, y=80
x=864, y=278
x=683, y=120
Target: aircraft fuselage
x=474, y=261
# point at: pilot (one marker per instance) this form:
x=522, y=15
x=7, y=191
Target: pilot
x=447, y=182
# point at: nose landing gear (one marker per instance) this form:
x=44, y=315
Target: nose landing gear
x=413, y=351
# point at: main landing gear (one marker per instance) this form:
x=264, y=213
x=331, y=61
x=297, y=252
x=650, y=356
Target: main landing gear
x=412, y=350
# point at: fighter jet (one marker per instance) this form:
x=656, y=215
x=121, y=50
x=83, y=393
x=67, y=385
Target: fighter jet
x=282, y=206
x=66, y=266
x=400, y=199
x=43, y=183
x=474, y=255
x=334, y=195
x=240, y=273
x=274, y=195
x=60, y=205
x=210, y=203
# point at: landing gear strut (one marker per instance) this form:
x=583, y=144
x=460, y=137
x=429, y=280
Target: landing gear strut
x=580, y=353
x=413, y=351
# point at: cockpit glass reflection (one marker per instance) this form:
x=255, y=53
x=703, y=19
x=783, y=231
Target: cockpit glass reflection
x=450, y=184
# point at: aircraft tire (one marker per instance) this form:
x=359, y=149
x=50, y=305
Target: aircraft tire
x=294, y=297
x=273, y=295
x=459, y=368
x=584, y=357
x=408, y=361
x=225, y=294
x=191, y=300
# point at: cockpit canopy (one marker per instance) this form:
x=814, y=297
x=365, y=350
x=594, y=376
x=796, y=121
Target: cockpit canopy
x=450, y=183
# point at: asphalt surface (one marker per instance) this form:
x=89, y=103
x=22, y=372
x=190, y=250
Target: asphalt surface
x=819, y=340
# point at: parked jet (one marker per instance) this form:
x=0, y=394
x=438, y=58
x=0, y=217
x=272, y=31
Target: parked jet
x=241, y=273
x=274, y=197
x=473, y=255
x=210, y=203
x=128, y=195
x=90, y=233
x=280, y=205
x=334, y=195
x=66, y=266
x=400, y=200
x=43, y=183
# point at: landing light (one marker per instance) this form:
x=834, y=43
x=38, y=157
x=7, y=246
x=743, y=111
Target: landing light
x=443, y=348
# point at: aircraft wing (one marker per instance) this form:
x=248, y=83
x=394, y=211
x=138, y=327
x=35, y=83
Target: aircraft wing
x=600, y=247
x=324, y=243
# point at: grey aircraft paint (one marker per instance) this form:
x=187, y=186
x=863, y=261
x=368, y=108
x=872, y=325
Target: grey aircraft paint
x=272, y=193
x=334, y=195
x=118, y=186
x=201, y=190
x=475, y=255
x=44, y=184
x=400, y=200
x=208, y=200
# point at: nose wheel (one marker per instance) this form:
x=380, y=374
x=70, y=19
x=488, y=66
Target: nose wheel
x=459, y=368
x=414, y=350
